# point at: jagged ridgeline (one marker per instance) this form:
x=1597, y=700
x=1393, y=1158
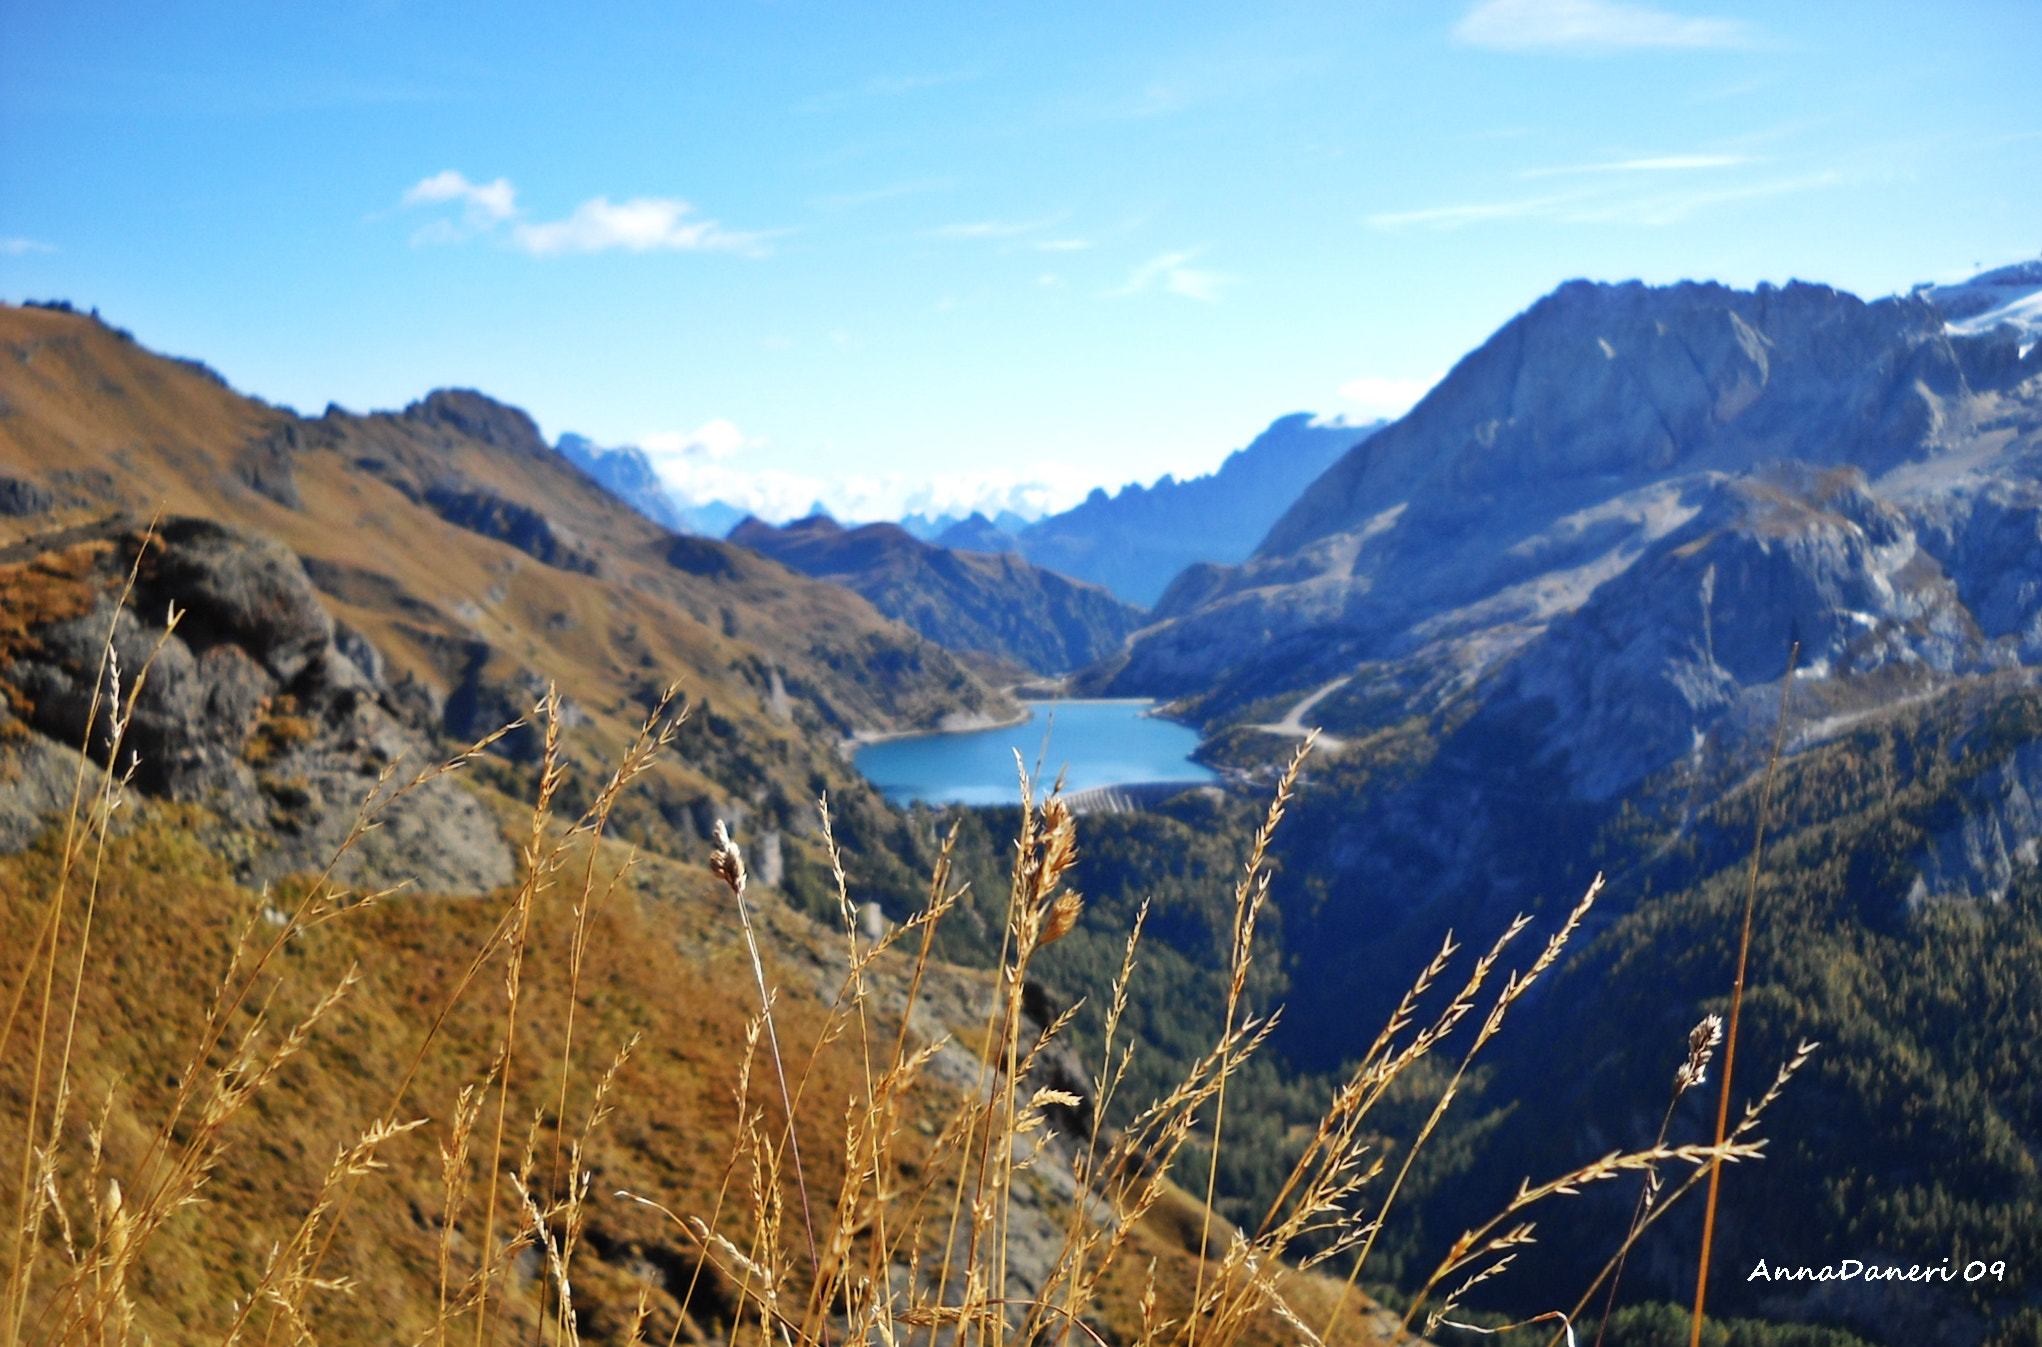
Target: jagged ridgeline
x=364, y=587
x=995, y=605
x=1545, y=618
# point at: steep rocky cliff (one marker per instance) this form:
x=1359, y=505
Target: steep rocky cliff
x=1623, y=477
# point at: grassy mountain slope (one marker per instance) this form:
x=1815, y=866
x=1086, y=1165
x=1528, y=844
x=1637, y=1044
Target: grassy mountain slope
x=477, y=564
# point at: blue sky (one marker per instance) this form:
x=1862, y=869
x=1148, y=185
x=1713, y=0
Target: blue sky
x=934, y=256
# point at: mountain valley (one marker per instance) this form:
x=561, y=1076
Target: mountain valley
x=1547, y=622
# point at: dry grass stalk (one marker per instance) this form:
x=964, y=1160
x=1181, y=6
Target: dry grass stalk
x=902, y=1252
x=1765, y=800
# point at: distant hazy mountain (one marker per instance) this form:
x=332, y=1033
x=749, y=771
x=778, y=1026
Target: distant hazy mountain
x=714, y=520
x=1135, y=542
x=992, y=604
x=980, y=534
x=627, y=474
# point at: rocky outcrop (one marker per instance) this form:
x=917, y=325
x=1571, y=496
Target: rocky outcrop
x=1636, y=676
x=995, y=605
x=19, y=496
x=249, y=707
x=480, y=417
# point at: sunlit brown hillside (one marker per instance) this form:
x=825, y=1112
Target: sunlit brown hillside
x=479, y=565
x=241, y=1099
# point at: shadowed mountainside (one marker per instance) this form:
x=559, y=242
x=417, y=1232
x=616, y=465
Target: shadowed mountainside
x=995, y=604
x=1546, y=619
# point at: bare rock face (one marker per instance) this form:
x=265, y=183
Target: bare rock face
x=1639, y=674
x=1624, y=506
x=249, y=706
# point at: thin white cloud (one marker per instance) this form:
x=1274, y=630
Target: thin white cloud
x=1590, y=26
x=1387, y=397
x=1168, y=273
x=714, y=439
x=842, y=201
x=1602, y=205
x=1664, y=208
x=1453, y=217
x=989, y=229
x=485, y=203
x=642, y=224
x=880, y=87
x=1062, y=245
x=777, y=495
x=21, y=247
x=1665, y=163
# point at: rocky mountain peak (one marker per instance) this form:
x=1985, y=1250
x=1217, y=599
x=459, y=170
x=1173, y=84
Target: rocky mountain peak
x=1630, y=382
x=480, y=417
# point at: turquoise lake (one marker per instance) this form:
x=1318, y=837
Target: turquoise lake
x=1096, y=743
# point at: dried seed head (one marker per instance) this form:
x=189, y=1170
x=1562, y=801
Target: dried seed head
x=727, y=862
x=1059, y=843
x=1702, y=1041
x=1062, y=916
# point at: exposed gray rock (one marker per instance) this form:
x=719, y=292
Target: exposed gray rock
x=483, y=511
x=19, y=496
x=1638, y=674
x=264, y=465
x=1997, y=832
x=37, y=780
x=1633, y=494
x=249, y=707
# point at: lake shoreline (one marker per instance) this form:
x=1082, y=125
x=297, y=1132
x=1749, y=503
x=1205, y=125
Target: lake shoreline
x=1095, y=742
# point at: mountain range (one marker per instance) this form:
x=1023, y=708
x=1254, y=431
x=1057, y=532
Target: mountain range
x=967, y=601
x=439, y=567
x=1547, y=621
x=1548, y=624
x=1136, y=541
x=1132, y=542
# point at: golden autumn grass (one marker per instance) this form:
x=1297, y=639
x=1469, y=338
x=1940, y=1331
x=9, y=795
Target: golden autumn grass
x=613, y=1103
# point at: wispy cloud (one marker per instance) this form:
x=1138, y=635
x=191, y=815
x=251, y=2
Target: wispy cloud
x=853, y=200
x=1665, y=208
x=641, y=224
x=1453, y=217
x=1169, y=274
x=881, y=87
x=990, y=229
x=22, y=247
x=1666, y=163
x=487, y=202
x=1603, y=205
x=1590, y=26
x=1063, y=245
x=712, y=440
x=777, y=495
